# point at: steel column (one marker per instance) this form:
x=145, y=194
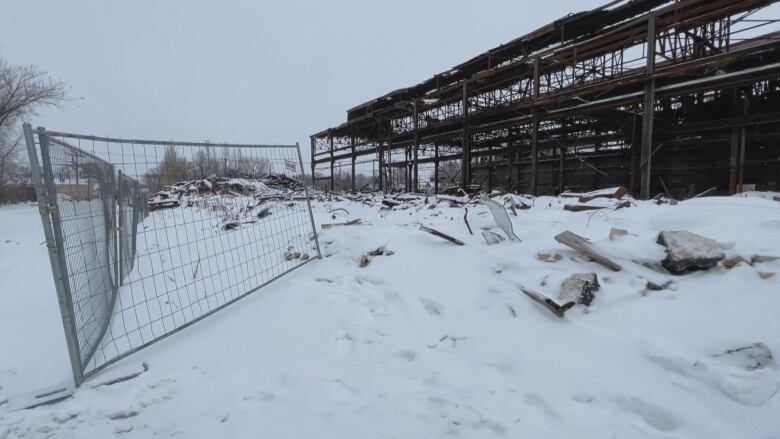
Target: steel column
x=648, y=111
x=466, y=153
x=352, y=148
x=313, y=166
x=535, y=132
x=436, y=168
x=734, y=146
x=380, y=153
x=332, y=162
x=416, y=152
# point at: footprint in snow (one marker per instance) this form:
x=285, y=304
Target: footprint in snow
x=538, y=402
x=262, y=396
x=406, y=355
x=433, y=308
x=653, y=415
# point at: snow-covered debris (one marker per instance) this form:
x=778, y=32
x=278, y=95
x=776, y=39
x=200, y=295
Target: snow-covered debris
x=755, y=356
x=437, y=340
x=555, y=308
x=441, y=235
x=618, y=192
x=584, y=246
x=500, y=217
x=580, y=288
x=492, y=238
x=615, y=233
x=688, y=251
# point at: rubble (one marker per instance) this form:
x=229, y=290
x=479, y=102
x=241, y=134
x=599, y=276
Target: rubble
x=466, y=220
x=441, y=235
x=348, y=223
x=500, y=217
x=162, y=204
x=662, y=199
x=617, y=192
x=581, y=207
x=492, y=238
x=584, y=246
x=580, y=288
x=615, y=233
x=688, y=251
x=265, y=188
x=291, y=255
x=758, y=259
x=549, y=257
x=558, y=310
x=390, y=203
x=366, y=257
x=733, y=262
x=653, y=286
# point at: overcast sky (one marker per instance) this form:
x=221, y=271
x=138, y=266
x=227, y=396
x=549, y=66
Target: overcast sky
x=247, y=71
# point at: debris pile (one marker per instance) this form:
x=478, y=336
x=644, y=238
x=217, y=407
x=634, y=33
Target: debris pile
x=269, y=187
x=366, y=257
x=580, y=288
x=686, y=251
x=612, y=198
x=585, y=247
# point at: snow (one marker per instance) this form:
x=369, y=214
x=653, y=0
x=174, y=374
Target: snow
x=434, y=340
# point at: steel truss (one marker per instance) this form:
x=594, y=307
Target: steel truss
x=656, y=95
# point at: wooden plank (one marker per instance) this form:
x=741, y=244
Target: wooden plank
x=581, y=207
x=558, y=310
x=441, y=235
x=582, y=245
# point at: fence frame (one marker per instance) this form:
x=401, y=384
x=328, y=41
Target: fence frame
x=47, y=206
x=43, y=180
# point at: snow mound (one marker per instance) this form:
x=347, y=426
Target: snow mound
x=437, y=340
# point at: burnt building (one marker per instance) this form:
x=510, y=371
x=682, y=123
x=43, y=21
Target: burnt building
x=673, y=96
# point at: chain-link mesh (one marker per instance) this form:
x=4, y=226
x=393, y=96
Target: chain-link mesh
x=157, y=235
x=84, y=189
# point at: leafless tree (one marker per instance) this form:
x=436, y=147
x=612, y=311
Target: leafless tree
x=174, y=167
x=23, y=89
x=205, y=163
x=8, y=157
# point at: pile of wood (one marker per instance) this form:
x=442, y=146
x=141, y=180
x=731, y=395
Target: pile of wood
x=612, y=198
x=270, y=186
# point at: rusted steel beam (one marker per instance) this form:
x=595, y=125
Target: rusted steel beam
x=648, y=111
x=523, y=93
x=466, y=153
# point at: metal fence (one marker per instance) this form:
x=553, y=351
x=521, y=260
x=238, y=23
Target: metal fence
x=148, y=237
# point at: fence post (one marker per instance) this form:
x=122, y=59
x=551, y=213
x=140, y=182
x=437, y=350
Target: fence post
x=308, y=202
x=120, y=228
x=47, y=205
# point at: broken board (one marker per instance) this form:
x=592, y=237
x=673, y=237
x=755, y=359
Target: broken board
x=558, y=310
x=441, y=235
x=582, y=245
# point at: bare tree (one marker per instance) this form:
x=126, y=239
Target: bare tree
x=174, y=167
x=205, y=163
x=8, y=157
x=23, y=89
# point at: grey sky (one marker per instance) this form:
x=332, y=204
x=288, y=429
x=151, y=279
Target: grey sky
x=247, y=71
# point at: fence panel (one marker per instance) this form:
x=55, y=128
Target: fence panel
x=155, y=236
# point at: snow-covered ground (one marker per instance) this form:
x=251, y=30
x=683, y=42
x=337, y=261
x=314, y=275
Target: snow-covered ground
x=435, y=340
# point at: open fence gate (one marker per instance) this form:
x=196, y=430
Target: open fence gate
x=148, y=237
